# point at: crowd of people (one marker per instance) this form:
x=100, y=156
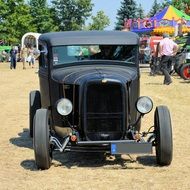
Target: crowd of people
x=28, y=54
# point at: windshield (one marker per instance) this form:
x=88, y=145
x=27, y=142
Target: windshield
x=73, y=54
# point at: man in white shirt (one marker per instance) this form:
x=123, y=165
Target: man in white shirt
x=168, y=48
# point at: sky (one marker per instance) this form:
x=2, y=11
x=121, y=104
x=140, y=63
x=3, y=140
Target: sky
x=110, y=8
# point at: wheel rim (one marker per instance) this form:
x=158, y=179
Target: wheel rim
x=186, y=72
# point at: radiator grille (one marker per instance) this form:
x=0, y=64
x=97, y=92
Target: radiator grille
x=104, y=111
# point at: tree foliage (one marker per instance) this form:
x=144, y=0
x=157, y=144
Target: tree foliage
x=165, y=3
x=71, y=14
x=155, y=8
x=127, y=10
x=140, y=12
x=18, y=17
x=41, y=18
x=182, y=5
x=99, y=22
x=15, y=20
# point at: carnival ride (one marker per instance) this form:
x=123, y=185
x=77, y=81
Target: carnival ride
x=169, y=20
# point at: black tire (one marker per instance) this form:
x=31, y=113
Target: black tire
x=185, y=71
x=34, y=104
x=42, y=150
x=163, y=133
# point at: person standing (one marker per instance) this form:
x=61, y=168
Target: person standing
x=24, y=55
x=13, y=56
x=167, y=49
x=31, y=56
x=155, y=61
x=147, y=54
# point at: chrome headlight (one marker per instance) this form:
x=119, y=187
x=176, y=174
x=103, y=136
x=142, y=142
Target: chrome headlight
x=64, y=106
x=144, y=104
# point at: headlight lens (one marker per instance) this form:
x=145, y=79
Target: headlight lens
x=64, y=106
x=144, y=104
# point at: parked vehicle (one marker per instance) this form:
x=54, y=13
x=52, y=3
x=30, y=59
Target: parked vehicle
x=182, y=66
x=90, y=102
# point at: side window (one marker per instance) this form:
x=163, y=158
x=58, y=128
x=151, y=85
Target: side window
x=43, y=61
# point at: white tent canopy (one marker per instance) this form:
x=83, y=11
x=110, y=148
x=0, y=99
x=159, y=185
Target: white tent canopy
x=30, y=38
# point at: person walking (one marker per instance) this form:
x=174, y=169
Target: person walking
x=13, y=56
x=167, y=49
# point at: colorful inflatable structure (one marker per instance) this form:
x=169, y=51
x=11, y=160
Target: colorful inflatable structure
x=167, y=20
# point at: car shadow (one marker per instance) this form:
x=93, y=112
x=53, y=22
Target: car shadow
x=29, y=165
x=75, y=159
x=153, y=83
x=72, y=160
x=149, y=160
x=185, y=81
x=23, y=139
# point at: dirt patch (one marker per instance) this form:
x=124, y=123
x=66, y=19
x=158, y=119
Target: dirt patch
x=90, y=171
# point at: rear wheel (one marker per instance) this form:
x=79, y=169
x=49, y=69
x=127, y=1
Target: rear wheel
x=185, y=71
x=163, y=133
x=34, y=104
x=42, y=148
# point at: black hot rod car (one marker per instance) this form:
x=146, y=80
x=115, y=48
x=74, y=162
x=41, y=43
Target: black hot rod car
x=89, y=98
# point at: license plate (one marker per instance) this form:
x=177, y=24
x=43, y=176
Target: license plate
x=131, y=148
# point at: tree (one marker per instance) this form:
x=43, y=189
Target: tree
x=166, y=3
x=182, y=5
x=155, y=8
x=71, y=14
x=99, y=22
x=127, y=11
x=187, y=7
x=140, y=12
x=15, y=20
x=41, y=17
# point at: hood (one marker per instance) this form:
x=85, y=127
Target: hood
x=80, y=74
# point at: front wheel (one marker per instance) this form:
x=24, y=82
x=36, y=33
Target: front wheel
x=163, y=133
x=42, y=150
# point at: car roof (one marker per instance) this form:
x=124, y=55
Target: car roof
x=89, y=37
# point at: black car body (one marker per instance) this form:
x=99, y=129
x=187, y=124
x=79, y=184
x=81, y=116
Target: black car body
x=89, y=97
